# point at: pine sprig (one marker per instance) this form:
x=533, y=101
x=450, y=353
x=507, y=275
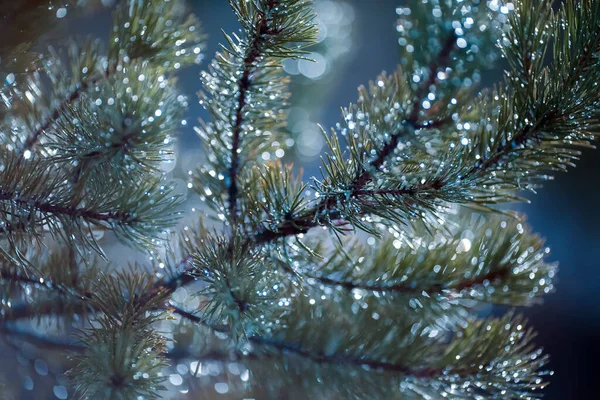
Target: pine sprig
x=237, y=290
x=163, y=27
x=493, y=156
x=489, y=260
x=124, y=130
x=122, y=344
x=471, y=364
x=160, y=32
x=35, y=194
x=274, y=30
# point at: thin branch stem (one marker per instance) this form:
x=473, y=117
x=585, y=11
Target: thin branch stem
x=322, y=213
x=314, y=356
x=58, y=306
x=406, y=287
x=439, y=62
x=13, y=276
x=71, y=98
x=195, y=318
x=322, y=358
x=73, y=212
x=253, y=55
x=181, y=279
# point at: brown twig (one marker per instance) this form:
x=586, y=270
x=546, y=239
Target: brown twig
x=244, y=85
x=316, y=356
x=71, y=98
x=74, y=212
x=322, y=212
x=408, y=288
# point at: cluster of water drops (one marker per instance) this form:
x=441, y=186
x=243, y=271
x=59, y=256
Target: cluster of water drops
x=464, y=31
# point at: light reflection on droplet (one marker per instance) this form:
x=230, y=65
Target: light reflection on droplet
x=61, y=12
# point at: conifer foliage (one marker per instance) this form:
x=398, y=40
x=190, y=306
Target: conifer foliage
x=361, y=283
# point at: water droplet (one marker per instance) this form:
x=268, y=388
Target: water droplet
x=221, y=387
x=175, y=379
x=60, y=392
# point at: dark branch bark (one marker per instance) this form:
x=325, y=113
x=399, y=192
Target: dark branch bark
x=408, y=288
x=179, y=280
x=58, y=344
x=59, y=209
x=491, y=276
x=14, y=277
x=439, y=62
x=322, y=212
x=57, y=306
x=71, y=98
x=244, y=84
x=195, y=319
x=322, y=358
x=315, y=356
x=17, y=278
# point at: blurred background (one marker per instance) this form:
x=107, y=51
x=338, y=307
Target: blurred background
x=358, y=42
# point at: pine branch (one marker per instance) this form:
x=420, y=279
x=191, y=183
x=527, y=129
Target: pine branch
x=69, y=211
x=537, y=139
x=60, y=110
x=254, y=53
x=48, y=343
x=411, y=122
x=71, y=301
x=322, y=358
x=409, y=154
x=13, y=276
x=273, y=31
x=135, y=23
x=319, y=358
x=267, y=346
x=507, y=267
x=322, y=213
x=68, y=346
x=447, y=291
x=475, y=350
x=440, y=61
